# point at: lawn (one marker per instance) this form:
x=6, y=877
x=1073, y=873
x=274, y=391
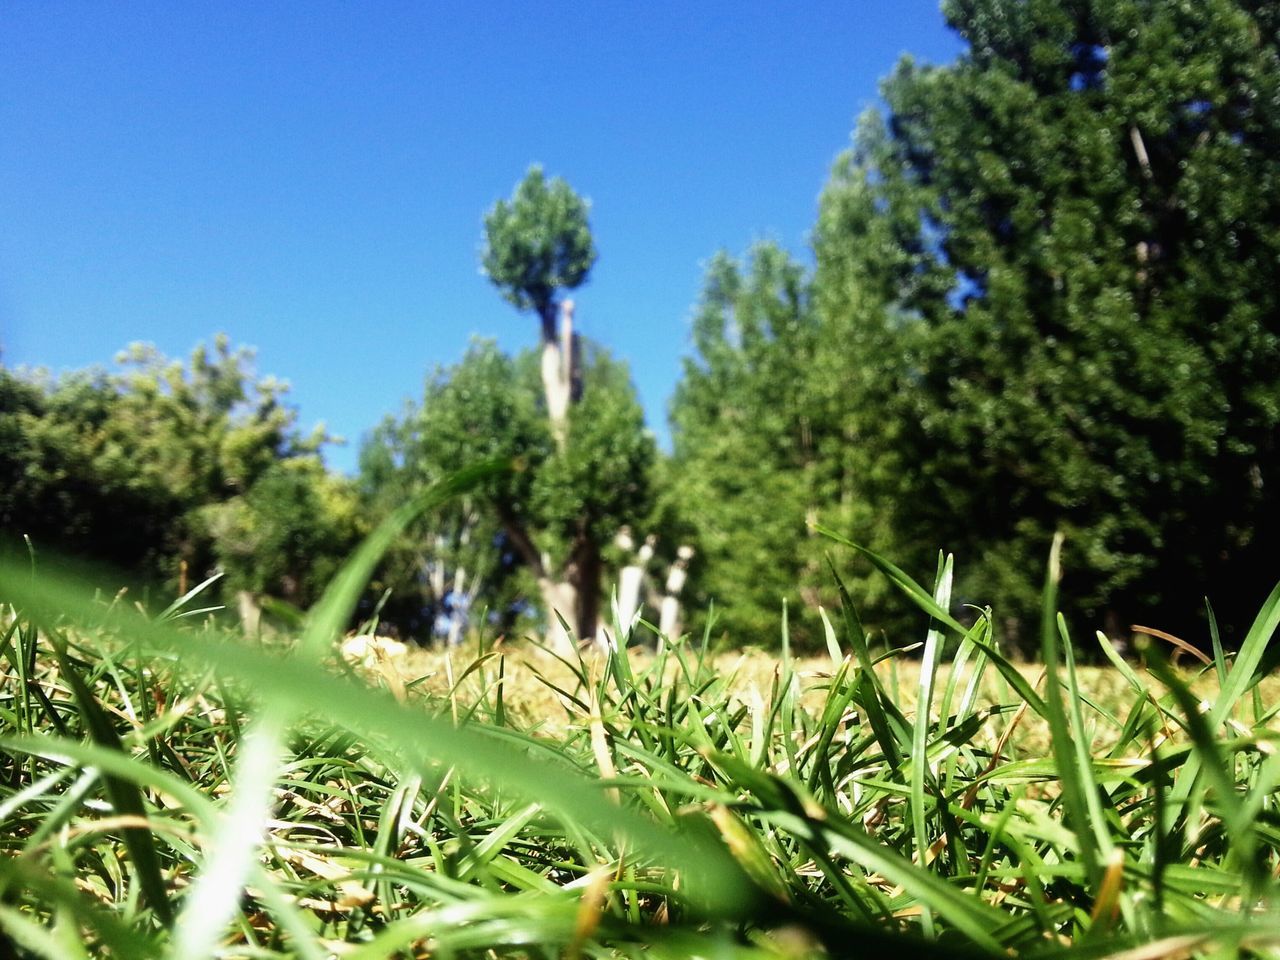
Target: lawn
x=171, y=790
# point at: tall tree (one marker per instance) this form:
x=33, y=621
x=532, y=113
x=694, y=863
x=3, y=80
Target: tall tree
x=745, y=470
x=555, y=511
x=536, y=245
x=1057, y=262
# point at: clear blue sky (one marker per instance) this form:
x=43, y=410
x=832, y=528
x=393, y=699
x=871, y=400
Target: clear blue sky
x=310, y=177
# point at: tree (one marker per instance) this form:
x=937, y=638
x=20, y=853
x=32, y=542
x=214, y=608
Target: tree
x=1057, y=263
x=287, y=535
x=745, y=463
x=455, y=559
x=536, y=245
x=556, y=510
x=124, y=465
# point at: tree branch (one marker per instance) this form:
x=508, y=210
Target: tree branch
x=521, y=541
x=547, y=314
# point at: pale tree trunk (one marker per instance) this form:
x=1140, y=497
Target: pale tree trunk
x=460, y=606
x=559, y=594
x=575, y=595
x=464, y=589
x=560, y=601
x=457, y=582
x=435, y=569
x=557, y=369
x=250, y=612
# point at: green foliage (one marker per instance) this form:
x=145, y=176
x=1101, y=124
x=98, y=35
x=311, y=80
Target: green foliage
x=156, y=462
x=286, y=535
x=540, y=516
x=1050, y=275
x=474, y=409
x=601, y=482
x=745, y=471
x=538, y=242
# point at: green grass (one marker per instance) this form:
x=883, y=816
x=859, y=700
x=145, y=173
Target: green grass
x=169, y=790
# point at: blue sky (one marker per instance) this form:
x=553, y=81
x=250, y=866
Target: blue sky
x=310, y=177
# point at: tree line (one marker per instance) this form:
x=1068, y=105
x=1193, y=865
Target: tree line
x=1043, y=297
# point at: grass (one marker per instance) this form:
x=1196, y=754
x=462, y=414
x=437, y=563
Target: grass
x=168, y=790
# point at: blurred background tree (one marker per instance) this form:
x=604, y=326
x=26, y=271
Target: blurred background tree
x=595, y=479
x=287, y=535
x=536, y=245
x=541, y=529
x=745, y=469
x=1051, y=269
x=140, y=467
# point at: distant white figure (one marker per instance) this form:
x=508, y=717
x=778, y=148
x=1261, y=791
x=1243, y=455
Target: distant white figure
x=669, y=612
x=631, y=579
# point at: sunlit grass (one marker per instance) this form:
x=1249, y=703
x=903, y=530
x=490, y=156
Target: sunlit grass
x=172, y=790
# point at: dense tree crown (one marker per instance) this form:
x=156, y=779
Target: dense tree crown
x=554, y=511
x=538, y=242
x=157, y=464
x=745, y=461
x=1045, y=299
x=1053, y=267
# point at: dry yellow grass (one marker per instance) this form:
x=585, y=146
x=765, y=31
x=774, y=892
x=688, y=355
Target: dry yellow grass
x=530, y=674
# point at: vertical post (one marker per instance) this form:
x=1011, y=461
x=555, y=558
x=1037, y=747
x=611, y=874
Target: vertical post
x=631, y=579
x=669, y=614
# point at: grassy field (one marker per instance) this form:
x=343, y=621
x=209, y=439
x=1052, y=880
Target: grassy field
x=171, y=790
x=532, y=673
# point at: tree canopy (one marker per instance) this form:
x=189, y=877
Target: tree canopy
x=555, y=512
x=144, y=466
x=1055, y=262
x=538, y=242
x=1045, y=299
x=745, y=459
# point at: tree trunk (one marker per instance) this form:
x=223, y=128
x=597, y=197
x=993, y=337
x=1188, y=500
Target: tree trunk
x=575, y=595
x=574, y=598
x=630, y=580
x=250, y=612
x=583, y=572
x=459, y=606
x=559, y=601
x=669, y=613
x=557, y=369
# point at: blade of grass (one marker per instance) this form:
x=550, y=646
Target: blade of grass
x=869, y=692
x=918, y=594
x=125, y=796
x=921, y=777
x=925, y=601
x=1065, y=749
x=1219, y=657
x=1244, y=672
x=1214, y=765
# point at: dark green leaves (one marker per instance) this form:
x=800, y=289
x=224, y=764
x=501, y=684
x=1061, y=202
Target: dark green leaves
x=538, y=242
